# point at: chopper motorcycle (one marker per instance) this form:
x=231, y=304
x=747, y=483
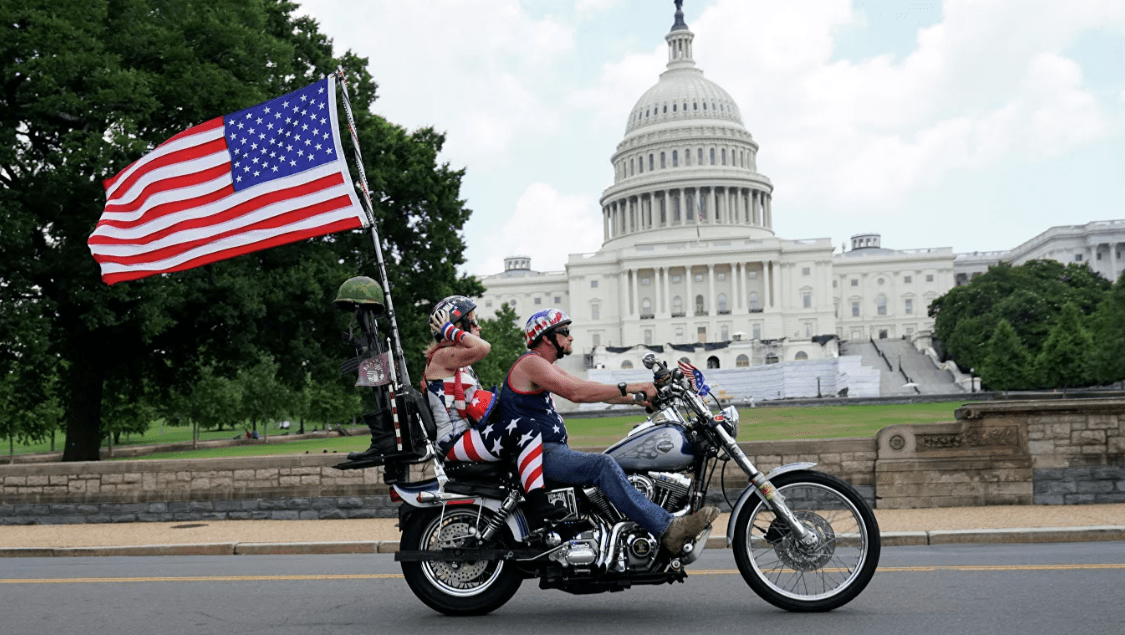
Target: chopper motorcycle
x=803, y=540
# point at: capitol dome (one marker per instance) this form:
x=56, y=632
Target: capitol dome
x=686, y=161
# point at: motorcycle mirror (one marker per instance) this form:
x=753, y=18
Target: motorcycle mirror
x=649, y=361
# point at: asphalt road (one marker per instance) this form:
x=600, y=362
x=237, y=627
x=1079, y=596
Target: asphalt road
x=947, y=589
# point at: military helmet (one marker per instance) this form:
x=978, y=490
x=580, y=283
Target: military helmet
x=360, y=290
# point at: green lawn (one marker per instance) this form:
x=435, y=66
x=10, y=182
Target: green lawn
x=757, y=424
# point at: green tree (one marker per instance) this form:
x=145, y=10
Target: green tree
x=1007, y=364
x=1107, y=330
x=507, y=340
x=1063, y=361
x=1029, y=296
x=89, y=87
x=264, y=397
x=210, y=403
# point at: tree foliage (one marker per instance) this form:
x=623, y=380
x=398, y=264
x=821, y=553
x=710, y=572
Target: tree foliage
x=90, y=86
x=1063, y=362
x=507, y=339
x=1107, y=332
x=1007, y=364
x=1030, y=297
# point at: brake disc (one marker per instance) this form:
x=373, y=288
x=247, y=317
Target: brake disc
x=796, y=555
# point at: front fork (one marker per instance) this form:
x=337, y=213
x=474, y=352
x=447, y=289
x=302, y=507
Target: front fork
x=765, y=490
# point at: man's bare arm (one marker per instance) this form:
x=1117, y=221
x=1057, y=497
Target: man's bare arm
x=543, y=374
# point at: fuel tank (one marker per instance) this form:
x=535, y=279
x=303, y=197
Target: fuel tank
x=658, y=447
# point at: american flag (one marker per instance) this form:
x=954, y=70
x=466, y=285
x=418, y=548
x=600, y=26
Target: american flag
x=694, y=377
x=699, y=206
x=258, y=178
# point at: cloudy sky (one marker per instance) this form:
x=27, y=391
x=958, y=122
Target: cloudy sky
x=971, y=124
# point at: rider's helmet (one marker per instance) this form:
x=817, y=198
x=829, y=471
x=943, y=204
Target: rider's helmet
x=358, y=291
x=544, y=323
x=459, y=308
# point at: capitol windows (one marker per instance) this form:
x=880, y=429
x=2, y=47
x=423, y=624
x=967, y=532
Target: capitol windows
x=632, y=167
x=908, y=306
x=855, y=309
x=699, y=156
x=641, y=165
x=753, y=275
x=650, y=168
x=593, y=284
x=723, y=305
x=929, y=277
x=724, y=154
x=881, y=305
x=753, y=301
x=712, y=156
x=677, y=306
x=646, y=307
x=800, y=356
x=662, y=166
x=806, y=299
x=645, y=280
x=699, y=277
x=705, y=105
x=701, y=333
x=722, y=275
x=538, y=300
x=675, y=159
x=907, y=279
x=676, y=278
x=595, y=311
x=699, y=305
x=855, y=282
x=742, y=361
x=596, y=339
x=756, y=331
x=648, y=337
x=626, y=365
x=673, y=107
x=695, y=105
x=679, y=335
x=724, y=333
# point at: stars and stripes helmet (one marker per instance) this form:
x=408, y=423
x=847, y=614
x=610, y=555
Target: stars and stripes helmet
x=459, y=309
x=542, y=323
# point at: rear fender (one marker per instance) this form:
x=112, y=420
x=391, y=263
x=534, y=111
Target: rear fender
x=751, y=491
x=409, y=492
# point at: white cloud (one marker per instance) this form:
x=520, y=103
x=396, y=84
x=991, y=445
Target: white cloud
x=547, y=226
x=473, y=68
x=588, y=7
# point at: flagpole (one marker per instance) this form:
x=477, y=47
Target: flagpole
x=400, y=359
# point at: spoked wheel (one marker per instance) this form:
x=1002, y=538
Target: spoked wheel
x=469, y=587
x=823, y=574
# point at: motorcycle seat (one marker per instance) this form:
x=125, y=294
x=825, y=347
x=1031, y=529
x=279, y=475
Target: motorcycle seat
x=477, y=471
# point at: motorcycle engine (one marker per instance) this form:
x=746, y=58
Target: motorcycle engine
x=666, y=489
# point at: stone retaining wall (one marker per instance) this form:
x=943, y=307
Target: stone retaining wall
x=996, y=453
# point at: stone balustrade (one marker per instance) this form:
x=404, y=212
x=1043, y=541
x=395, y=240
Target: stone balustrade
x=995, y=453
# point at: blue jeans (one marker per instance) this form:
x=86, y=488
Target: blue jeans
x=564, y=465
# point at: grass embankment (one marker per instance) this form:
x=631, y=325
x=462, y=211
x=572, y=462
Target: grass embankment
x=757, y=424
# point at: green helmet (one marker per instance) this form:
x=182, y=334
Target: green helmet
x=359, y=290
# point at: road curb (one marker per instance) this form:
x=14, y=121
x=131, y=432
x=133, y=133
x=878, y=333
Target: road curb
x=889, y=539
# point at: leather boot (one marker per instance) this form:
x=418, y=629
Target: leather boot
x=685, y=528
x=539, y=509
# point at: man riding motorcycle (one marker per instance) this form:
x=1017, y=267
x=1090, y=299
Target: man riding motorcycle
x=526, y=395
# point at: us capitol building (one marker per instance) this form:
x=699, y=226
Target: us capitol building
x=690, y=259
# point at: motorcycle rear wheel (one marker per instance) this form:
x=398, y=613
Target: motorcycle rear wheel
x=806, y=579
x=455, y=588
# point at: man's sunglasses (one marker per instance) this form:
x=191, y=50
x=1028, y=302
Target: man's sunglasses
x=564, y=331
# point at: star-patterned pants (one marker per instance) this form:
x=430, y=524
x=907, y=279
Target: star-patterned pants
x=518, y=439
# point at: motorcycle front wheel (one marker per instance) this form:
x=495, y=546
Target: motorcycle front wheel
x=808, y=577
x=470, y=587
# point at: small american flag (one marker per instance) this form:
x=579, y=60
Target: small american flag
x=694, y=377
x=258, y=178
x=699, y=206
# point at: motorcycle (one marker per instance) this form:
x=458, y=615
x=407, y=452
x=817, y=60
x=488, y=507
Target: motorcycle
x=803, y=540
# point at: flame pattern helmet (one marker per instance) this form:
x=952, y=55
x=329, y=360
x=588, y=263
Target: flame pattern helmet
x=542, y=323
x=459, y=308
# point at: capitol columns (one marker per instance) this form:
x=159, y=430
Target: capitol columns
x=739, y=286
x=689, y=301
x=667, y=292
x=711, y=310
x=636, y=293
x=767, y=274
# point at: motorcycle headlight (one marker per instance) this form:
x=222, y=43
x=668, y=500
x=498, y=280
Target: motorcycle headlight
x=730, y=421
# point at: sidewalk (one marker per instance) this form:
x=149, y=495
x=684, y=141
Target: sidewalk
x=899, y=527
